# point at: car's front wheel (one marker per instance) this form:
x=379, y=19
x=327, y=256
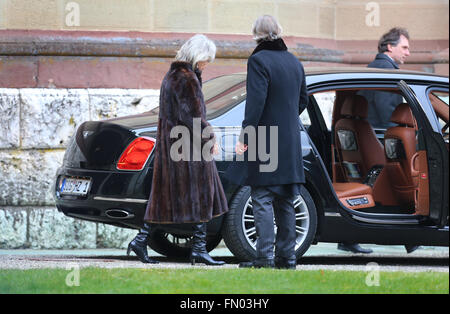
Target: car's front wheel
x=239, y=231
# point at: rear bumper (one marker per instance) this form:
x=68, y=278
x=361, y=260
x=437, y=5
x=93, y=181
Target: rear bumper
x=104, y=211
x=117, y=198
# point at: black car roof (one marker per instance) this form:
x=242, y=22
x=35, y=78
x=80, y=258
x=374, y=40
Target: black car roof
x=363, y=70
x=332, y=70
x=322, y=74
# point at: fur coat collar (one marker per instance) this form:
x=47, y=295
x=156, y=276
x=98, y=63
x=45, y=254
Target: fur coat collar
x=277, y=45
x=178, y=65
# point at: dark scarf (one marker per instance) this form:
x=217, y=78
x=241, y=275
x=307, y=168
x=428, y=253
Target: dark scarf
x=277, y=45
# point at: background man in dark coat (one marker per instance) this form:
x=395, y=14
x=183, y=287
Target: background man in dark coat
x=276, y=94
x=393, y=49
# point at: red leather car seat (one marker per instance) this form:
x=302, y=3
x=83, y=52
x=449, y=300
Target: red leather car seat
x=400, y=148
x=357, y=146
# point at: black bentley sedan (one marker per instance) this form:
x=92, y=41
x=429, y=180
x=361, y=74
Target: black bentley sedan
x=365, y=184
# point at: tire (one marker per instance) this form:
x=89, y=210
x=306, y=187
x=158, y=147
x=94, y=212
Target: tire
x=239, y=231
x=175, y=246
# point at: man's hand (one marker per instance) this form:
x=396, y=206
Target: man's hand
x=240, y=148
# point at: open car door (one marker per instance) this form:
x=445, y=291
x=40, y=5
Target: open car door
x=432, y=145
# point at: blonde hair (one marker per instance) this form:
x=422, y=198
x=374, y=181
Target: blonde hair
x=266, y=28
x=197, y=48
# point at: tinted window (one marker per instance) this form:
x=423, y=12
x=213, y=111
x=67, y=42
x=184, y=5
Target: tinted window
x=325, y=101
x=220, y=95
x=223, y=93
x=304, y=117
x=439, y=100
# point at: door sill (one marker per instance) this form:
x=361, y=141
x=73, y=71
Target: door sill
x=385, y=219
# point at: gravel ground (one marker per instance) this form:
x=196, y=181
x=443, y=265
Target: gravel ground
x=320, y=257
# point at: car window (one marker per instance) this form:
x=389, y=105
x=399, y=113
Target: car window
x=381, y=104
x=439, y=100
x=325, y=101
x=223, y=93
x=443, y=96
x=304, y=117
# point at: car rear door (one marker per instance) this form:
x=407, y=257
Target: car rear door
x=437, y=155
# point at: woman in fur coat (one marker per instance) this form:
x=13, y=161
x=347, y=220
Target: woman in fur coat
x=186, y=187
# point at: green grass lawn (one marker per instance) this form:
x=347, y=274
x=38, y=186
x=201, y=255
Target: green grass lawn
x=216, y=281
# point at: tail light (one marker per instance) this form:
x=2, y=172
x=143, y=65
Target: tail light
x=136, y=154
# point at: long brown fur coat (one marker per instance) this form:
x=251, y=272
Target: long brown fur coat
x=183, y=191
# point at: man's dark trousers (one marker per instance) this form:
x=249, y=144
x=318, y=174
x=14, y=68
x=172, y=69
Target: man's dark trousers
x=266, y=204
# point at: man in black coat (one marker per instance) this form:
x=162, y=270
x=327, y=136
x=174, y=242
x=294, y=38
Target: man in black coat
x=270, y=138
x=393, y=49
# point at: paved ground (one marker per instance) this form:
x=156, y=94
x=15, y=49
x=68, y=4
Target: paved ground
x=322, y=256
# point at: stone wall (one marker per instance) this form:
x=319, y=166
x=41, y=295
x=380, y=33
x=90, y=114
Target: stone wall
x=331, y=19
x=35, y=125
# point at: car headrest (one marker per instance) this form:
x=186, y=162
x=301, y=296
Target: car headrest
x=355, y=106
x=403, y=115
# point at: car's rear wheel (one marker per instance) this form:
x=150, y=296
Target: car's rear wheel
x=177, y=246
x=239, y=232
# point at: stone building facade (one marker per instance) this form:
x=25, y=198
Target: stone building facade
x=63, y=62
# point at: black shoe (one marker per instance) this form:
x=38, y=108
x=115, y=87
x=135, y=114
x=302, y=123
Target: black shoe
x=285, y=263
x=258, y=263
x=411, y=248
x=139, y=245
x=199, y=254
x=353, y=247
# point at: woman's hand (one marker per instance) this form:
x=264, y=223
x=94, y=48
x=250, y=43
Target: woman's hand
x=215, y=149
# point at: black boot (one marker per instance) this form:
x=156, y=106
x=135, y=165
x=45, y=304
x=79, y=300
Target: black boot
x=258, y=263
x=285, y=263
x=139, y=245
x=353, y=247
x=411, y=248
x=199, y=254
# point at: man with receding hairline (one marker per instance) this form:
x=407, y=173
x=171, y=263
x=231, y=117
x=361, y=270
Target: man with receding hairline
x=393, y=49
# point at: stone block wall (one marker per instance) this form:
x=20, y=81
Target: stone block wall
x=35, y=125
x=332, y=19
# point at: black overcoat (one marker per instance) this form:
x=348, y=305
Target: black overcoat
x=276, y=95
x=381, y=104
x=383, y=61
x=186, y=190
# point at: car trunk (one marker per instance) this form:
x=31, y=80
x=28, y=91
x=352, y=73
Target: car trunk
x=98, y=145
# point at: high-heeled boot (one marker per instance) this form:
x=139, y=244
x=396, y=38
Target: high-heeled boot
x=199, y=254
x=139, y=245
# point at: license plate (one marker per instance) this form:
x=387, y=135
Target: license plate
x=74, y=186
